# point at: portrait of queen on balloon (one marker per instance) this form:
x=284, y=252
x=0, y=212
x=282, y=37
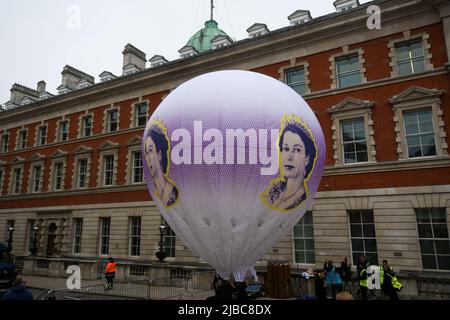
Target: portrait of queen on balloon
x=297, y=154
x=157, y=156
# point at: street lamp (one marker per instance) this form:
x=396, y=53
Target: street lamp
x=33, y=249
x=161, y=254
x=10, y=233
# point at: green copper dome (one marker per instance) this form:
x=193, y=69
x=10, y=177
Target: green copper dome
x=201, y=41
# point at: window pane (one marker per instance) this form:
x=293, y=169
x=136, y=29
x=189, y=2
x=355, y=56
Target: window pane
x=355, y=217
x=440, y=231
x=416, y=49
x=369, y=230
x=427, y=139
x=419, y=66
x=413, y=141
x=357, y=245
x=372, y=258
x=355, y=230
x=297, y=75
x=442, y=246
x=422, y=215
x=299, y=88
x=298, y=231
x=350, y=158
x=425, y=230
x=308, y=218
x=309, y=231
x=349, y=79
x=348, y=64
x=429, y=150
x=404, y=68
x=367, y=217
x=444, y=262
x=426, y=247
x=299, y=245
x=414, y=152
x=349, y=147
x=429, y=262
x=361, y=156
x=438, y=215
x=402, y=52
x=309, y=244
x=310, y=257
x=370, y=245
x=361, y=146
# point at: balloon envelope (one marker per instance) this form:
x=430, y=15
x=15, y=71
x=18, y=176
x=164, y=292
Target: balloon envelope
x=233, y=159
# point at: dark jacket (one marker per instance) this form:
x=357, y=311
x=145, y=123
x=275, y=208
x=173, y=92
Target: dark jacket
x=345, y=271
x=18, y=292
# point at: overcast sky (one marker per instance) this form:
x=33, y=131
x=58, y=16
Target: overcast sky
x=39, y=37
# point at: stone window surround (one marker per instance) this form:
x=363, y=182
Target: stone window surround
x=5, y=133
x=107, y=149
x=133, y=118
x=73, y=233
x=293, y=64
x=133, y=145
x=18, y=164
x=130, y=225
x=2, y=179
x=345, y=52
x=351, y=108
x=19, y=131
x=407, y=36
x=37, y=161
x=100, y=225
x=58, y=123
x=37, y=137
x=80, y=132
x=428, y=98
x=82, y=153
x=58, y=156
x=112, y=107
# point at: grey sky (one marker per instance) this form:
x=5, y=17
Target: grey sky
x=36, y=42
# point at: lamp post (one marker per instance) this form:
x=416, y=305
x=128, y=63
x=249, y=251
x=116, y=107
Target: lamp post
x=34, y=248
x=161, y=254
x=10, y=233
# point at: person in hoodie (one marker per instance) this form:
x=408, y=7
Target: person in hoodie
x=18, y=292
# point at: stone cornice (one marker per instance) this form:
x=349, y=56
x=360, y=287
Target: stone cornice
x=324, y=30
x=76, y=192
x=371, y=167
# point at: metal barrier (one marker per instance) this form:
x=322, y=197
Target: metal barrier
x=194, y=285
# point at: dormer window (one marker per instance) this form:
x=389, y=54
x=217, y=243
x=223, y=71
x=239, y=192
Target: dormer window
x=345, y=5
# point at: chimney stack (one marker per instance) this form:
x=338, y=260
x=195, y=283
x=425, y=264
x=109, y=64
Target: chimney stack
x=41, y=86
x=134, y=60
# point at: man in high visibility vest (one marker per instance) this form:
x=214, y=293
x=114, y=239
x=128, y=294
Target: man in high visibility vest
x=110, y=273
x=389, y=282
x=362, y=276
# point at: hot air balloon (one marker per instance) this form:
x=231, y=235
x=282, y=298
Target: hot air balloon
x=233, y=159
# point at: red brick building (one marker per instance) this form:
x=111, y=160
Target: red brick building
x=69, y=162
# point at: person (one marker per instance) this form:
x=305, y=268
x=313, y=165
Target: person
x=332, y=279
x=346, y=274
x=156, y=152
x=362, y=276
x=217, y=282
x=110, y=273
x=389, y=282
x=319, y=285
x=225, y=291
x=18, y=292
x=298, y=153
